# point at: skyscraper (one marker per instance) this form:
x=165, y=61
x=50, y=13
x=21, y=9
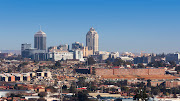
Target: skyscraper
x=92, y=40
x=25, y=46
x=40, y=40
x=77, y=45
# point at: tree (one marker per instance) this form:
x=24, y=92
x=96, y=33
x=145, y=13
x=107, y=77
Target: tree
x=156, y=64
x=91, y=86
x=174, y=95
x=125, y=89
x=32, y=99
x=108, y=62
x=81, y=82
x=148, y=83
x=141, y=95
x=137, y=97
x=177, y=69
x=72, y=89
x=93, y=71
x=64, y=87
x=57, y=64
x=118, y=62
x=24, y=63
x=41, y=99
x=118, y=99
x=91, y=61
x=39, y=70
x=42, y=94
x=19, y=87
x=9, y=70
x=155, y=91
x=52, y=89
x=142, y=84
x=173, y=63
x=15, y=95
x=140, y=65
x=82, y=96
x=98, y=96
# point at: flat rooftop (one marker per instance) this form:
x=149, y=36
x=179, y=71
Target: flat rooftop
x=159, y=77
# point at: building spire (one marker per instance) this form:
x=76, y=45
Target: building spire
x=40, y=27
x=92, y=29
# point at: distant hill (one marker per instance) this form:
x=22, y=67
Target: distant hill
x=18, y=52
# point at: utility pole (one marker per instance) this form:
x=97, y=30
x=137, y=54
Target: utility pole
x=60, y=92
x=87, y=61
x=90, y=86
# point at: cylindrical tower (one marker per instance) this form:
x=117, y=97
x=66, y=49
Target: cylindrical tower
x=40, y=40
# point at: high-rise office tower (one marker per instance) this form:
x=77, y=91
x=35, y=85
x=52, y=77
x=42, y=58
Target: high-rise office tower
x=25, y=46
x=40, y=40
x=77, y=45
x=64, y=47
x=92, y=40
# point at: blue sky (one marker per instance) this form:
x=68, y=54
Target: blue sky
x=122, y=25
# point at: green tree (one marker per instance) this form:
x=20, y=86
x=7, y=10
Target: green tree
x=32, y=99
x=57, y=64
x=118, y=99
x=91, y=61
x=91, y=86
x=42, y=94
x=98, y=96
x=72, y=89
x=64, y=87
x=93, y=71
x=174, y=95
x=118, y=62
x=9, y=70
x=39, y=70
x=81, y=82
x=140, y=65
x=108, y=62
x=52, y=89
x=41, y=99
x=155, y=91
x=177, y=69
x=148, y=83
x=141, y=95
x=82, y=96
x=173, y=63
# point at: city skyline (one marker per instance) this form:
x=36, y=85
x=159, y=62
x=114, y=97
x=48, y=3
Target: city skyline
x=150, y=26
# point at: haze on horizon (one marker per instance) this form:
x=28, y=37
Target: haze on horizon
x=122, y=25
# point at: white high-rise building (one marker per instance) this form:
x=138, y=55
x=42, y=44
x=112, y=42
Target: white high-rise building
x=56, y=56
x=92, y=40
x=40, y=40
x=25, y=46
x=78, y=54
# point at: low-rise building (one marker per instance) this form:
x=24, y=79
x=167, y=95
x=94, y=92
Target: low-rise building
x=62, y=55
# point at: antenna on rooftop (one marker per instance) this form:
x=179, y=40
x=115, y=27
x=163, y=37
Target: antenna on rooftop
x=40, y=27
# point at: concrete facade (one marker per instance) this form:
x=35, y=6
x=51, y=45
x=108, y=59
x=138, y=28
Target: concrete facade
x=40, y=40
x=61, y=55
x=77, y=45
x=78, y=54
x=173, y=57
x=92, y=40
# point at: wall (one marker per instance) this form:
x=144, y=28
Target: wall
x=156, y=71
x=129, y=71
x=104, y=71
